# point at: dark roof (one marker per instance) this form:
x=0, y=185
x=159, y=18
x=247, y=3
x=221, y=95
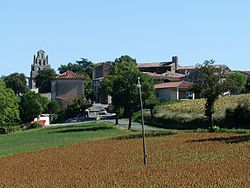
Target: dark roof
x=165, y=75
x=69, y=75
x=245, y=72
x=194, y=67
x=182, y=84
x=154, y=64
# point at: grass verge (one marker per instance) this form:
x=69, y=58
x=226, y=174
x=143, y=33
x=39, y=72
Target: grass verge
x=57, y=136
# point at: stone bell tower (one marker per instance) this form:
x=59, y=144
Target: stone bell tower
x=40, y=62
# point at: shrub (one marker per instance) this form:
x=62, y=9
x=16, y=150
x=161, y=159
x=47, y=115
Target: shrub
x=36, y=124
x=240, y=116
x=3, y=130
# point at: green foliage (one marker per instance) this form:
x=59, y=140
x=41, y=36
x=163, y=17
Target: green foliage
x=121, y=84
x=17, y=82
x=35, y=125
x=31, y=105
x=53, y=107
x=236, y=82
x=85, y=68
x=43, y=80
x=212, y=86
x=240, y=116
x=75, y=109
x=9, y=112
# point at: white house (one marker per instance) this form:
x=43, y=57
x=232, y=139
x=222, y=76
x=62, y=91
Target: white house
x=174, y=90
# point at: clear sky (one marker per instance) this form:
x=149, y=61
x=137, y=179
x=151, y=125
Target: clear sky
x=101, y=30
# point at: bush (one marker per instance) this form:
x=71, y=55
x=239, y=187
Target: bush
x=3, y=130
x=35, y=125
x=238, y=117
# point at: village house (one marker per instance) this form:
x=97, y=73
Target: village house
x=174, y=90
x=67, y=87
x=99, y=72
x=165, y=71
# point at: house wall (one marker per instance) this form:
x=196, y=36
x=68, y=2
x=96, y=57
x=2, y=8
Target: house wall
x=72, y=88
x=166, y=94
x=102, y=70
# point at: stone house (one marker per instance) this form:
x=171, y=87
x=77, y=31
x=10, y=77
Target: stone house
x=67, y=87
x=190, y=72
x=165, y=71
x=99, y=72
x=174, y=90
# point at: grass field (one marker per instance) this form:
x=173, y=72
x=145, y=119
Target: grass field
x=36, y=139
x=175, y=160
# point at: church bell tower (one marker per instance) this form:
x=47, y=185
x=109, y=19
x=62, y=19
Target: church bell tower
x=40, y=62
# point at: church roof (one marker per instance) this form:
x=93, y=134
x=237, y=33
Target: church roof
x=69, y=75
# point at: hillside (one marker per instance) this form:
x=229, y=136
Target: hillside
x=197, y=105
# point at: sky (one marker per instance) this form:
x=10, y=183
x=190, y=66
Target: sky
x=102, y=30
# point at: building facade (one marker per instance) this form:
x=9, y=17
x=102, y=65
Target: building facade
x=99, y=72
x=67, y=87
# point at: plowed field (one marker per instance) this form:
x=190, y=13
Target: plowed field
x=178, y=160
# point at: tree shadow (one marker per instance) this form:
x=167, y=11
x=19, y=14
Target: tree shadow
x=84, y=129
x=228, y=140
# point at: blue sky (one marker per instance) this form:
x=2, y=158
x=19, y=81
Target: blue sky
x=148, y=30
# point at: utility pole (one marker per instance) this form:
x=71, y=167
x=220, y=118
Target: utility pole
x=142, y=123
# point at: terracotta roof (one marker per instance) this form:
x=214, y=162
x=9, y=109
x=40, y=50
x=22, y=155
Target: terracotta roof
x=182, y=84
x=245, y=72
x=156, y=64
x=69, y=75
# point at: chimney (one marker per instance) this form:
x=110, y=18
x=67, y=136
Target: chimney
x=175, y=61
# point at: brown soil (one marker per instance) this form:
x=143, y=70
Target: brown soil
x=179, y=160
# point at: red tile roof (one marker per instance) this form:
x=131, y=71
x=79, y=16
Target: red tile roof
x=69, y=75
x=182, y=84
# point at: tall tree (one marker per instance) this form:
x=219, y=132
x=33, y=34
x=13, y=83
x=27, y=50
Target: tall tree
x=121, y=84
x=85, y=68
x=43, y=80
x=212, y=86
x=9, y=112
x=236, y=82
x=31, y=105
x=17, y=82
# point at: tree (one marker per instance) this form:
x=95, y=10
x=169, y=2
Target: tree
x=43, y=80
x=53, y=107
x=17, y=82
x=76, y=108
x=85, y=68
x=212, y=86
x=121, y=85
x=31, y=105
x=236, y=82
x=9, y=112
